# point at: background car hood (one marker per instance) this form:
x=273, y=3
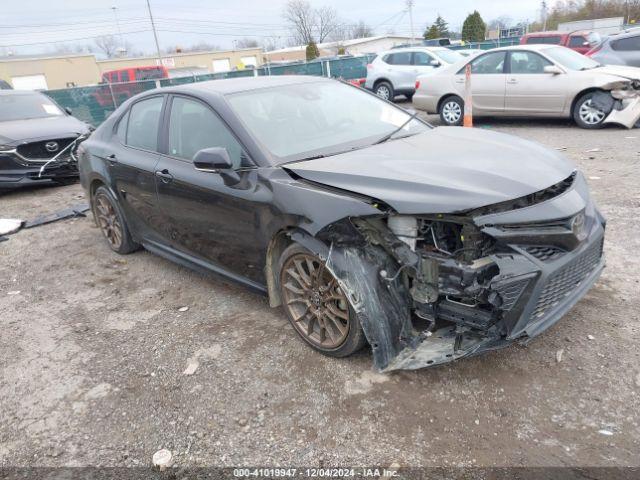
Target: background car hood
x=444, y=170
x=17, y=131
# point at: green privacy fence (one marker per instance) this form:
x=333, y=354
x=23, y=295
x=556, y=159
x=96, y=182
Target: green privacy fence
x=94, y=104
x=488, y=44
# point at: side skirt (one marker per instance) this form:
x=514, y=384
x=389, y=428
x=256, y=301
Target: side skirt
x=201, y=266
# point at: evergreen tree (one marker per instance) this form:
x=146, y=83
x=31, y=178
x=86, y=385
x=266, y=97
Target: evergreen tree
x=312, y=51
x=473, y=29
x=438, y=29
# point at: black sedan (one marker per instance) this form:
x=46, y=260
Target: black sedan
x=365, y=223
x=37, y=140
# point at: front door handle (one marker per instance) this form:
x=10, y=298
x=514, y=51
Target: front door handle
x=164, y=175
x=512, y=81
x=112, y=159
x=460, y=80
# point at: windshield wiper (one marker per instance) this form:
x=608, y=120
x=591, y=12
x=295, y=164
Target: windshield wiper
x=389, y=135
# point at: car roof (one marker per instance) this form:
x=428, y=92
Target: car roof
x=557, y=32
x=415, y=47
x=534, y=47
x=19, y=92
x=243, y=84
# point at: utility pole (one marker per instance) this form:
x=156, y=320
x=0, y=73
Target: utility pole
x=544, y=16
x=115, y=15
x=410, y=7
x=155, y=34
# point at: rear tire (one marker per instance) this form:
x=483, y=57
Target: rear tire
x=315, y=305
x=384, y=90
x=452, y=111
x=409, y=97
x=110, y=220
x=586, y=115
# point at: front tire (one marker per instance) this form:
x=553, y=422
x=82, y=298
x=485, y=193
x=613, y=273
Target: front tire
x=110, y=220
x=586, y=115
x=384, y=90
x=316, y=306
x=452, y=111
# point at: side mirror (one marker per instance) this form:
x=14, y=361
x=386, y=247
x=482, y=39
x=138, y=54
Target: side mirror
x=216, y=160
x=435, y=63
x=553, y=69
x=68, y=110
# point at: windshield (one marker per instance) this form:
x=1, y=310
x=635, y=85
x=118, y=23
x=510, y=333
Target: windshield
x=570, y=59
x=449, y=56
x=320, y=118
x=24, y=106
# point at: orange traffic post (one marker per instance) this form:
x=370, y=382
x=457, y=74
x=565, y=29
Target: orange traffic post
x=468, y=101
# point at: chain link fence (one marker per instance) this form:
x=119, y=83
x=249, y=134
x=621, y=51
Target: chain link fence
x=94, y=104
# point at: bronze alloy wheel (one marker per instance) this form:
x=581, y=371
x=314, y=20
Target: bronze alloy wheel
x=108, y=221
x=315, y=303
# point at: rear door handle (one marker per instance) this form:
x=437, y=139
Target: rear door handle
x=164, y=175
x=512, y=81
x=112, y=159
x=460, y=80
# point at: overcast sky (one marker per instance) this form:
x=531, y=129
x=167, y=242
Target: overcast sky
x=34, y=26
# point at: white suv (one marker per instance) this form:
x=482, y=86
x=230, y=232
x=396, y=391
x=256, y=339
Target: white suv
x=394, y=72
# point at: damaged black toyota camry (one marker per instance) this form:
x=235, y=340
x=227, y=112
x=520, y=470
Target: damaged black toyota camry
x=363, y=222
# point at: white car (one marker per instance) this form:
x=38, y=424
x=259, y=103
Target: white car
x=394, y=72
x=535, y=80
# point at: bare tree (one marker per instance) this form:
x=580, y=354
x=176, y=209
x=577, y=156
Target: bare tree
x=503, y=21
x=247, y=43
x=310, y=24
x=361, y=30
x=108, y=45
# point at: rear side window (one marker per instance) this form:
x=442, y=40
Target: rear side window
x=400, y=58
x=550, y=40
x=144, y=120
x=121, y=131
x=627, y=44
x=489, y=63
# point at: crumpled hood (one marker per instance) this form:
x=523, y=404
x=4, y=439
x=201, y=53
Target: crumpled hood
x=18, y=131
x=628, y=73
x=444, y=170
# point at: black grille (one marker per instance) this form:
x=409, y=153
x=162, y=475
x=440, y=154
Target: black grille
x=38, y=150
x=510, y=293
x=546, y=254
x=565, y=280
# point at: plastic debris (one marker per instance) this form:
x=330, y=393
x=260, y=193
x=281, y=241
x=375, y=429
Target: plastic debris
x=593, y=150
x=608, y=433
x=591, y=337
x=594, y=178
x=162, y=459
x=192, y=366
x=71, y=212
x=14, y=292
x=559, y=355
x=183, y=309
x=10, y=225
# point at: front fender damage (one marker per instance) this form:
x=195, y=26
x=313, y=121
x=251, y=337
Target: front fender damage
x=621, y=102
x=373, y=278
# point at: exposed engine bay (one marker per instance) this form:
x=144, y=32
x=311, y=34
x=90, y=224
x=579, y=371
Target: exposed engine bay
x=433, y=288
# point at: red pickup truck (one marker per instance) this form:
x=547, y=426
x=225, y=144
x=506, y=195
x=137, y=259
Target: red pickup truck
x=580, y=41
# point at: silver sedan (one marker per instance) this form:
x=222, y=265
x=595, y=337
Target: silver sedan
x=534, y=81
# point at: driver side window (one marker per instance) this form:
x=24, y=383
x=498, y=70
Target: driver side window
x=527, y=63
x=193, y=126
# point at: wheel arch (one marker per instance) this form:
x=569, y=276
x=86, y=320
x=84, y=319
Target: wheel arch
x=278, y=244
x=580, y=94
x=444, y=97
x=380, y=80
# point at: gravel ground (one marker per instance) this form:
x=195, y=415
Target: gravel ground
x=95, y=346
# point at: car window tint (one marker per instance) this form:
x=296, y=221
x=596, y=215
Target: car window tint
x=527, y=63
x=578, y=41
x=400, y=58
x=627, y=44
x=550, y=40
x=144, y=119
x=422, y=59
x=490, y=63
x=193, y=126
x=121, y=131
